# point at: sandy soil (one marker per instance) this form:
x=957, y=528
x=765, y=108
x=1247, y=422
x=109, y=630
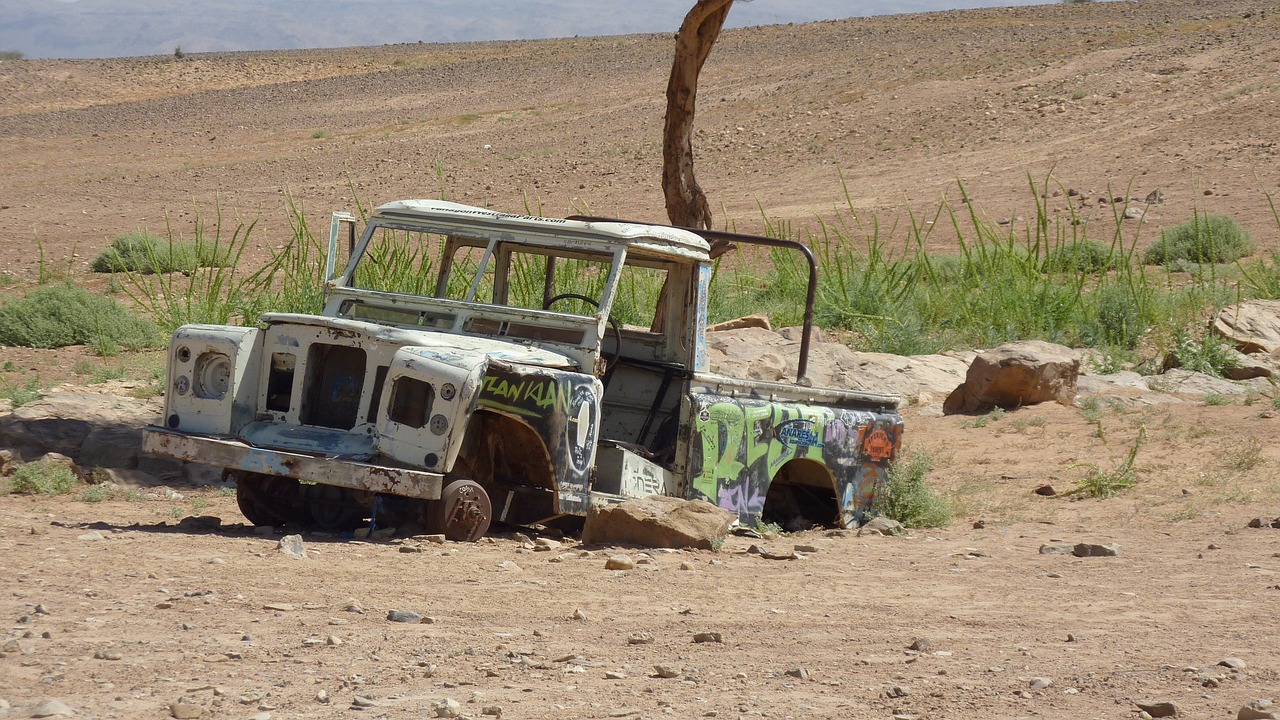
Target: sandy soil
x=1117, y=99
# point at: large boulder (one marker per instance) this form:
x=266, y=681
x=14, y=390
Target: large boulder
x=1254, y=326
x=658, y=521
x=1016, y=374
x=93, y=429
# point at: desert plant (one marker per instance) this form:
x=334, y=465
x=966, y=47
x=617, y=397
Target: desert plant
x=11, y=55
x=1101, y=483
x=1081, y=256
x=145, y=252
x=906, y=497
x=19, y=394
x=1208, y=354
x=54, y=316
x=43, y=478
x=1202, y=239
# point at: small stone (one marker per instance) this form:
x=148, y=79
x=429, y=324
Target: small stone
x=614, y=675
x=799, y=672
x=508, y=566
x=433, y=539
x=708, y=637
x=185, y=711
x=333, y=641
x=1257, y=710
x=686, y=565
x=411, y=548
x=640, y=638
x=1158, y=708
x=578, y=614
x=898, y=691
x=361, y=701
x=404, y=616
x=619, y=562
x=106, y=654
x=1040, y=683
x=291, y=545
x=1091, y=550
x=52, y=708
x=91, y=535
x=448, y=708
x=545, y=544
x=882, y=526
x=279, y=607
x=1233, y=663
x=1057, y=549
x=810, y=549
x=920, y=645
x=1045, y=489
x=665, y=670
x=322, y=697
x=492, y=710
x=41, y=609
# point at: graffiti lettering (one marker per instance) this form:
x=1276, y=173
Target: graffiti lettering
x=524, y=397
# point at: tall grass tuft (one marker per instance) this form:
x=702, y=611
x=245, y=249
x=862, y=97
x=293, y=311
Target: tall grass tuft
x=1202, y=239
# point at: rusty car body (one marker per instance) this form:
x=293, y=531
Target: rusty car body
x=471, y=365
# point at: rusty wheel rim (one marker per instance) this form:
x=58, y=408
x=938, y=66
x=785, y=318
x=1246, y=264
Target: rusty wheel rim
x=464, y=511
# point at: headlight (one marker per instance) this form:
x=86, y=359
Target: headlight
x=212, y=376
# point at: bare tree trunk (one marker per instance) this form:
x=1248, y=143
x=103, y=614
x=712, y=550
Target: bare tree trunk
x=686, y=202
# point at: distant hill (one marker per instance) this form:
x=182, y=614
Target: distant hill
x=116, y=28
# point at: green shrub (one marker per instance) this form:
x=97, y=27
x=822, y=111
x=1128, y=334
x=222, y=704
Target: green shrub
x=42, y=478
x=1080, y=256
x=1209, y=354
x=1116, y=317
x=53, y=316
x=144, y=252
x=1202, y=239
x=907, y=499
x=19, y=394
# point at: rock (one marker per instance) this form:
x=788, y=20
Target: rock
x=94, y=429
x=1233, y=663
x=1188, y=382
x=50, y=707
x=1057, y=549
x=665, y=670
x=920, y=645
x=1016, y=374
x=898, y=691
x=657, y=521
x=509, y=566
x=882, y=526
x=1247, y=367
x=794, y=333
x=322, y=696
x=1045, y=489
x=1252, y=326
x=619, y=562
x=1158, y=708
x=404, y=616
x=749, y=321
x=185, y=711
x=545, y=544
x=492, y=710
x=1090, y=550
x=278, y=607
x=1040, y=683
x=807, y=549
x=291, y=545
x=1257, y=710
x=708, y=637
x=106, y=654
x=91, y=535
x=360, y=701
x=448, y=708
x=615, y=675
x=579, y=614
x=640, y=638
x=801, y=673
x=8, y=463
x=200, y=523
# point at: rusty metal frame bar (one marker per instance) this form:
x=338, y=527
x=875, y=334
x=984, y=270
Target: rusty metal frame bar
x=222, y=452
x=802, y=366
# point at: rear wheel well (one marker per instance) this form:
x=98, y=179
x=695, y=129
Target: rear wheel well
x=509, y=459
x=801, y=495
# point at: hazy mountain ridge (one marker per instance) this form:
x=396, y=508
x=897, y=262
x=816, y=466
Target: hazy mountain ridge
x=115, y=28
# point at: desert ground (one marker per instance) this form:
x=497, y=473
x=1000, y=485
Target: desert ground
x=123, y=609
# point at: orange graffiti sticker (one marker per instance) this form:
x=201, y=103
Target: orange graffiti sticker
x=877, y=444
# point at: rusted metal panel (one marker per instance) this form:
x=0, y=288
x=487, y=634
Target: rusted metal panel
x=741, y=443
x=323, y=470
